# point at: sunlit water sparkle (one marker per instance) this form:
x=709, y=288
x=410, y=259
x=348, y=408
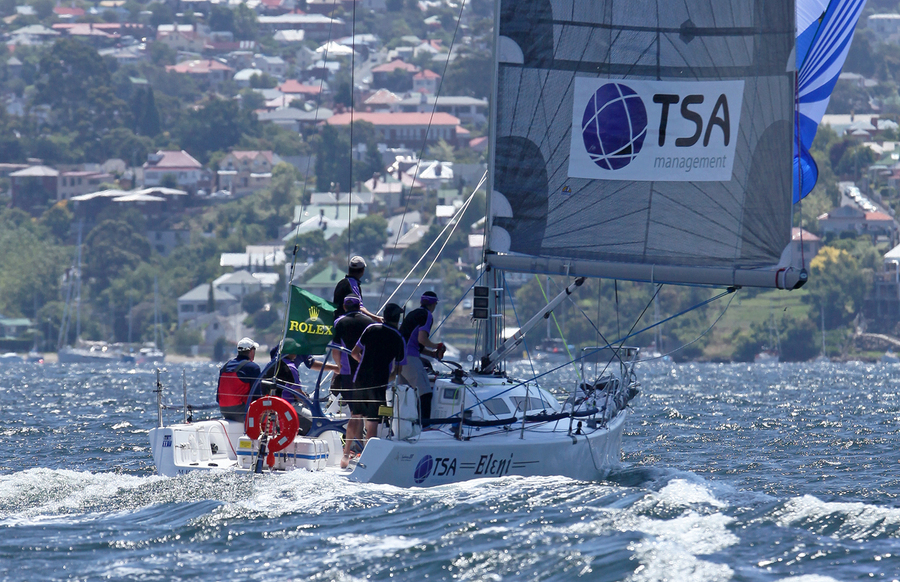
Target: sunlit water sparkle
x=729, y=472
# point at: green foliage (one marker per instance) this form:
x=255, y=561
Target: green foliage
x=218, y=125
x=366, y=236
x=311, y=245
x=160, y=13
x=836, y=285
x=57, y=221
x=31, y=264
x=145, y=116
x=111, y=247
x=185, y=338
x=799, y=341
x=333, y=159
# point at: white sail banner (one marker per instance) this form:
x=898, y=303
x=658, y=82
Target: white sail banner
x=644, y=130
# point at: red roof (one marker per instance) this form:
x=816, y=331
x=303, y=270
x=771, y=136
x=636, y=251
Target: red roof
x=795, y=232
x=877, y=216
x=393, y=66
x=295, y=86
x=438, y=118
x=426, y=74
x=172, y=159
x=251, y=154
x=382, y=97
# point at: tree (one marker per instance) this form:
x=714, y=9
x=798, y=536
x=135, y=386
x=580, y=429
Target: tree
x=144, y=115
x=218, y=125
x=366, y=235
x=111, y=247
x=283, y=178
x=160, y=13
x=70, y=71
x=333, y=159
x=310, y=245
x=245, y=23
x=221, y=18
x=828, y=288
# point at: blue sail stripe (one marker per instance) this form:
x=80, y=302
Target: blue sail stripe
x=834, y=40
x=836, y=24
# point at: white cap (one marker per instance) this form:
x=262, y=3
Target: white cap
x=246, y=344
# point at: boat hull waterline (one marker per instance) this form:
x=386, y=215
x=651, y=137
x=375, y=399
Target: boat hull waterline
x=435, y=458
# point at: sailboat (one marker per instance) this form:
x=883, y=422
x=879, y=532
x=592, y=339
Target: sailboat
x=81, y=352
x=641, y=141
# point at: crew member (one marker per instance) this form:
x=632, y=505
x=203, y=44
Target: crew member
x=347, y=330
x=350, y=285
x=236, y=378
x=380, y=352
x=286, y=372
x=416, y=330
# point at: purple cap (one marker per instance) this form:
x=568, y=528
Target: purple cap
x=352, y=301
x=429, y=298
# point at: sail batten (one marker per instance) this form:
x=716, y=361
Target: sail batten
x=638, y=148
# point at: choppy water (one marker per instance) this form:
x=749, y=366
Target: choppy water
x=730, y=472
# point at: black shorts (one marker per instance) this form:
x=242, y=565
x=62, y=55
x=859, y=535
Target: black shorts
x=375, y=399
x=353, y=397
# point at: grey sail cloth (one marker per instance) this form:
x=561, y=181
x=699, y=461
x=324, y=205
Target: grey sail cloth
x=660, y=224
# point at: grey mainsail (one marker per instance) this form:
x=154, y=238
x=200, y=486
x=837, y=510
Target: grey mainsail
x=645, y=140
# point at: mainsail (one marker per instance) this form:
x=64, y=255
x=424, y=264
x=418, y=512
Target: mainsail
x=645, y=140
x=824, y=31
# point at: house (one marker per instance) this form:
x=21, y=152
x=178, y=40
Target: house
x=239, y=283
x=67, y=13
x=254, y=257
x=885, y=26
x=852, y=219
x=426, y=81
x=402, y=129
x=314, y=26
x=194, y=303
x=244, y=77
x=76, y=183
x=882, y=307
x=188, y=173
x=245, y=172
x=396, y=75
x=295, y=119
x=274, y=66
x=182, y=37
x=34, y=189
x=467, y=109
x=206, y=71
x=382, y=100
x=805, y=245
x=294, y=87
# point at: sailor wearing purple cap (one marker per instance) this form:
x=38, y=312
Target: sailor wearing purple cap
x=347, y=330
x=415, y=330
x=350, y=285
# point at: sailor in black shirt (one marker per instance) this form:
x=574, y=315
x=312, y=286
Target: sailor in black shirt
x=380, y=352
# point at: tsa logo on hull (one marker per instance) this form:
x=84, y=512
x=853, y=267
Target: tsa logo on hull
x=423, y=469
x=654, y=130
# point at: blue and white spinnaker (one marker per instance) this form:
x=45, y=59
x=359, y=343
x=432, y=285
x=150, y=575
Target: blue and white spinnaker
x=824, y=31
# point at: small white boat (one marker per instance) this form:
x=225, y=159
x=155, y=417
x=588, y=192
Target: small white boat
x=890, y=357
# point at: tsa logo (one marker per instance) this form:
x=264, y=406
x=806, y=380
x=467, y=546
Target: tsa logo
x=614, y=126
x=423, y=469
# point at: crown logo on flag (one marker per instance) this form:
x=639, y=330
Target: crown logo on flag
x=313, y=312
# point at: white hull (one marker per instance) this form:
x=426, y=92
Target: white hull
x=435, y=458
x=85, y=356
x=493, y=441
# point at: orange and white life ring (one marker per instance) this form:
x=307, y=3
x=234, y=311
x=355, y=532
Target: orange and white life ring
x=281, y=429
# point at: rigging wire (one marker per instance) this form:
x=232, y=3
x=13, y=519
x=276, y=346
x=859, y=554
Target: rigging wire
x=454, y=221
x=558, y=328
x=424, y=143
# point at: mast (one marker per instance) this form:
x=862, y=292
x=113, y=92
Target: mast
x=493, y=278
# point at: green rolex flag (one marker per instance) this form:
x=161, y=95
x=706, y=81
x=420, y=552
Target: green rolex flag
x=310, y=321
